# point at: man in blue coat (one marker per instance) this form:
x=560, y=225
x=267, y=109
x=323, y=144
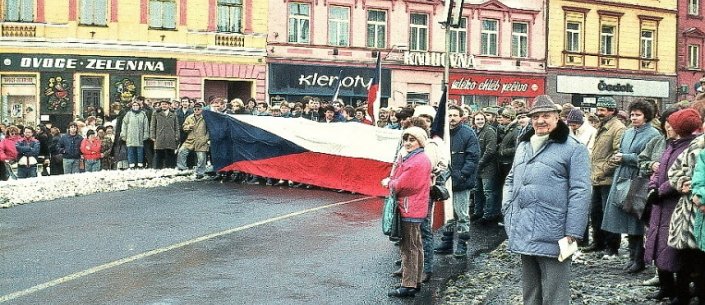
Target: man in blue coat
x=546, y=198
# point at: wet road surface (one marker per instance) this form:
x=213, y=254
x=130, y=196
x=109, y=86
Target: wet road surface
x=206, y=243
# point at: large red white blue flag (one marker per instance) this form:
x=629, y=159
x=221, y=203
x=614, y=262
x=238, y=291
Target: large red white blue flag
x=374, y=94
x=348, y=156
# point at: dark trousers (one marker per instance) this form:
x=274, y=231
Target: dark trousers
x=601, y=238
x=164, y=158
x=149, y=153
x=693, y=269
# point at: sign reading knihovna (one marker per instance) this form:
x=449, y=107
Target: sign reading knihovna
x=67, y=63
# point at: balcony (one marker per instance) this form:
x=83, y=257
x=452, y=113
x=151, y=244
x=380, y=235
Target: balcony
x=19, y=30
x=230, y=40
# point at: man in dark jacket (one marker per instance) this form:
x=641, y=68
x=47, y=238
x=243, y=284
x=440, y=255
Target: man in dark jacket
x=464, y=157
x=70, y=148
x=507, y=144
x=164, y=132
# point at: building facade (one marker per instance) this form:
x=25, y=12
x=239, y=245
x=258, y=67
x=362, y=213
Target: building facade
x=497, y=53
x=690, y=48
x=624, y=49
x=60, y=58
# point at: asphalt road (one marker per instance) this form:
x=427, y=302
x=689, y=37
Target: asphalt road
x=206, y=243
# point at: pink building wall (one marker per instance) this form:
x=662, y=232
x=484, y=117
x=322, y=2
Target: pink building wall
x=690, y=32
x=192, y=74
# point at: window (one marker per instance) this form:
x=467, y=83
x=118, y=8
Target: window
x=91, y=92
x=693, y=56
x=607, y=40
x=230, y=16
x=647, y=44
x=376, y=29
x=94, y=12
x=419, y=32
x=520, y=39
x=162, y=14
x=489, y=37
x=572, y=34
x=339, y=26
x=299, y=22
x=459, y=37
x=19, y=10
x=694, y=7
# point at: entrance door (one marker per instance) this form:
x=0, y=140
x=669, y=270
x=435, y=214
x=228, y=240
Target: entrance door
x=91, y=95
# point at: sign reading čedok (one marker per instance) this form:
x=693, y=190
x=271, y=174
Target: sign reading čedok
x=67, y=63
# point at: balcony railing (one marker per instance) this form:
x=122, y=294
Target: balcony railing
x=230, y=40
x=19, y=30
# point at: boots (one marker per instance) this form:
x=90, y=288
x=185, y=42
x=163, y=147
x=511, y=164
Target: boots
x=446, y=247
x=636, y=245
x=461, y=249
x=666, y=286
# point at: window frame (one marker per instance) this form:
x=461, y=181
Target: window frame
x=574, y=36
x=302, y=22
x=458, y=34
x=520, y=37
x=82, y=19
x=694, y=7
x=693, y=56
x=415, y=38
x=608, y=40
x=229, y=7
x=647, y=40
x=485, y=38
x=342, y=27
x=376, y=25
x=163, y=19
x=25, y=12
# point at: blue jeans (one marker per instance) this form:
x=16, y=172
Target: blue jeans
x=200, y=164
x=71, y=166
x=427, y=240
x=92, y=165
x=135, y=154
x=26, y=171
x=486, y=198
x=461, y=207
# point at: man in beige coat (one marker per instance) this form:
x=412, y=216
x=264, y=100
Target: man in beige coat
x=609, y=135
x=196, y=140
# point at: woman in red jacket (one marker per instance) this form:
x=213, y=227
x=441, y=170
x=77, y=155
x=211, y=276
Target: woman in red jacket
x=410, y=181
x=90, y=150
x=8, y=151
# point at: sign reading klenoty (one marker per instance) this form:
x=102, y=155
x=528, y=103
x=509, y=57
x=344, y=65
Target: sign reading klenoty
x=612, y=86
x=35, y=62
x=322, y=80
x=438, y=59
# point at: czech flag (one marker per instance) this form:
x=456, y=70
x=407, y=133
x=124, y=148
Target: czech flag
x=349, y=156
x=374, y=94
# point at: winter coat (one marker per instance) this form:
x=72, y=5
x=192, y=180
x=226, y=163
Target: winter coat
x=70, y=146
x=487, y=166
x=164, y=130
x=91, y=148
x=657, y=249
x=8, y=151
x=606, y=145
x=586, y=135
x=411, y=181
x=464, y=156
x=197, y=138
x=508, y=144
x=27, y=149
x=615, y=219
x=651, y=154
x=547, y=193
x=681, y=229
x=699, y=190
x=135, y=128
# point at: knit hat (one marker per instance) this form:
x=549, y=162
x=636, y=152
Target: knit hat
x=418, y=133
x=685, y=121
x=575, y=116
x=543, y=103
x=606, y=102
x=424, y=109
x=508, y=112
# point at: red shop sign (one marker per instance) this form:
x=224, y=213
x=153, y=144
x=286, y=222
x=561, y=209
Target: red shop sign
x=466, y=84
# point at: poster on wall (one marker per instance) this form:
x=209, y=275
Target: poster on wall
x=123, y=88
x=56, y=93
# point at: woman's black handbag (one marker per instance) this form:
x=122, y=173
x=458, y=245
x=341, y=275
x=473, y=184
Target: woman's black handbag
x=635, y=201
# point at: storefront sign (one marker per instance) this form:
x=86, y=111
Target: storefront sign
x=321, y=81
x=62, y=63
x=509, y=86
x=18, y=80
x=612, y=86
x=438, y=59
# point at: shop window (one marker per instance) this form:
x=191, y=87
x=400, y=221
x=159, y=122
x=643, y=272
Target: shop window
x=299, y=22
x=19, y=100
x=19, y=10
x=376, y=29
x=488, y=38
x=693, y=56
x=414, y=99
x=419, y=32
x=91, y=94
x=520, y=39
x=607, y=39
x=477, y=102
x=339, y=26
x=159, y=88
x=162, y=14
x=459, y=37
x=93, y=12
x=230, y=16
x=572, y=33
x=694, y=7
